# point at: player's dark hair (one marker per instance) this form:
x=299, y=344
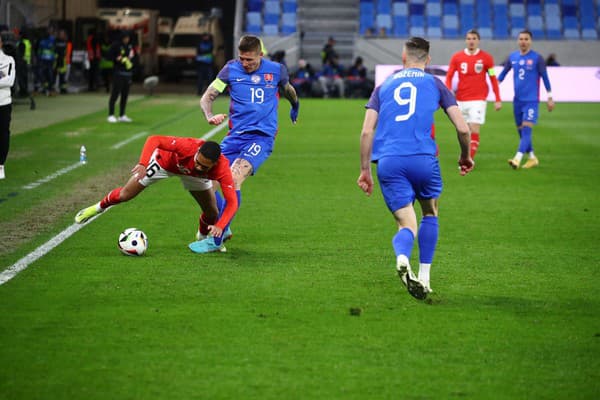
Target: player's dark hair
x=417, y=48
x=250, y=43
x=527, y=32
x=210, y=150
x=474, y=32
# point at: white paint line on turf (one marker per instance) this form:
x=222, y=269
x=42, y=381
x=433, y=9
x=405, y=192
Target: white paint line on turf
x=41, y=251
x=44, y=249
x=128, y=140
x=52, y=176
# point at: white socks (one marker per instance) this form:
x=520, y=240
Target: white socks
x=424, y=273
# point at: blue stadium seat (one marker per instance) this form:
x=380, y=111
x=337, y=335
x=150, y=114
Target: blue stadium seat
x=589, y=34
x=400, y=8
x=271, y=19
x=534, y=9
x=288, y=22
x=272, y=7
x=384, y=21
x=255, y=5
x=450, y=9
x=400, y=25
x=270, y=30
x=553, y=26
x=434, y=21
x=434, y=32
x=289, y=6
x=551, y=10
x=500, y=21
x=416, y=31
x=434, y=8
x=384, y=6
x=484, y=14
x=500, y=2
x=450, y=26
x=536, y=26
x=416, y=9
x=254, y=18
x=517, y=10
x=467, y=17
x=367, y=16
x=485, y=32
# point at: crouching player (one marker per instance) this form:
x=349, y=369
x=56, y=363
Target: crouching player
x=196, y=162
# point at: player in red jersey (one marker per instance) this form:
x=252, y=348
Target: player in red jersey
x=472, y=65
x=196, y=162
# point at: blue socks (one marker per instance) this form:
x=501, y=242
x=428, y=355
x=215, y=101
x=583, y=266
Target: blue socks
x=525, y=144
x=403, y=242
x=427, y=238
x=221, y=206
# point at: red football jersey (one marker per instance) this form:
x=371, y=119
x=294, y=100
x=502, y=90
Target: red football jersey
x=176, y=155
x=472, y=70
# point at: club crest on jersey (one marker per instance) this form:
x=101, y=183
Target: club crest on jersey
x=255, y=78
x=529, y=62
x=268, y=78
x=479, y=66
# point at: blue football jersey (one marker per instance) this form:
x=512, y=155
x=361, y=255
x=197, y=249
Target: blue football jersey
x=254, y=96
x=406, y=102
x=527, y=70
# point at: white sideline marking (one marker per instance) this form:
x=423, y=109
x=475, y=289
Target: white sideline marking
x=128, y=140
x=41, y=251
x=52, y=176
x=215, y=130
x=44, y=249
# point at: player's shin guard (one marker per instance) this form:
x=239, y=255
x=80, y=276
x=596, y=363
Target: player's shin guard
x=427, y=238
x=403, y=242
x=474, y=143
x=114, y=197
x=525, y=145
x=219, y=241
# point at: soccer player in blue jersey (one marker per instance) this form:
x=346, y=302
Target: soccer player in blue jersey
x=254, y=84
x=396, y=136
x=528, y=67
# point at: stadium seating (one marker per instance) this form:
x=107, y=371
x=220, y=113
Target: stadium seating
x=494, y=19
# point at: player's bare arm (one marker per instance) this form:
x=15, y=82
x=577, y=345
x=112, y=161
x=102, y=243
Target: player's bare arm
x=290, y=93
x=550, y=104
x=365, y=179
x=463, y=133
x=206, y=102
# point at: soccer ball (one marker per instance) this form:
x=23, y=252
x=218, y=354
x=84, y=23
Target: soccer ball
x=133, y=242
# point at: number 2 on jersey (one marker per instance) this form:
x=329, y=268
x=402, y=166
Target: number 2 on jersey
x=411, y=101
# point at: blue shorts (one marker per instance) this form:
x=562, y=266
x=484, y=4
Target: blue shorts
x=525, y=111
x=252, y=147
x=404, y=179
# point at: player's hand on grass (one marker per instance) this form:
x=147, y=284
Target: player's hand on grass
x=294, y=111
x=217, y=119
x=497, y=105
x=466, y=165
x=550, y=104
x=215, y=231
x=365, y=182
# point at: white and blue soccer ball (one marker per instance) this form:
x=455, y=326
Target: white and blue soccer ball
x=133, y=242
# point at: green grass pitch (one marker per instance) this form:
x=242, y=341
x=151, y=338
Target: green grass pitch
x=515, y=313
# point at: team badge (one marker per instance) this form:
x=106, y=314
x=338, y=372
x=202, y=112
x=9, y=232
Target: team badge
x=268, y=77
x=521, y=62
x=255, y=78
x=529, y=62
x=479, y=66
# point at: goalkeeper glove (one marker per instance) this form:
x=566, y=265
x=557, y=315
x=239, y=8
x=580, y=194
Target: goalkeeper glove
x=294, y=111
